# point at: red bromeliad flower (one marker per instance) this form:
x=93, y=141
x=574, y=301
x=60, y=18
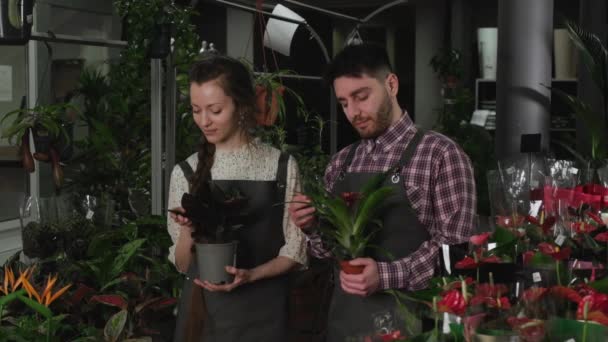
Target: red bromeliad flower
x=453, y=302
x=350, y=197
x=480, y=239
x=582, y=227
x=554, y=251
x=466, y=264
x=602, y=237
x=533, y=294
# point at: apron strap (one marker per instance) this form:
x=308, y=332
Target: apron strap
x=188, y=172
x=411, y=148
x=349, y=158
x=282, y=175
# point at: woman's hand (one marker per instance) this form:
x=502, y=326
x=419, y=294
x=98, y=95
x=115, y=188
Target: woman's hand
x=178, y=217
x=241, y=276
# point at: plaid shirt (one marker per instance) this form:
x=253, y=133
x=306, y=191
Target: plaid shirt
x=439, y=184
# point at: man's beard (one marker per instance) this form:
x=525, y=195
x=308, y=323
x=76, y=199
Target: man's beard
x=382, y=122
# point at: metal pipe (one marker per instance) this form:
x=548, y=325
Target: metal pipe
x=63, y=38
x=170, y=117
x=255, y=10
x=383, y=8
x=293, y=76
x=156, y=181
x=322, y=10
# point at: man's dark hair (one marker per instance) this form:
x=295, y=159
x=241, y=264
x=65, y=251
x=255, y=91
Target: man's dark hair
x=356, y=60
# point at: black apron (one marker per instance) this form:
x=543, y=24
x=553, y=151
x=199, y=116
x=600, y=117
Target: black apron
x=351, y=317
x=255, y=311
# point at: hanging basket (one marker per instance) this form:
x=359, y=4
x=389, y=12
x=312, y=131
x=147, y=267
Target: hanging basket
x=267, y=100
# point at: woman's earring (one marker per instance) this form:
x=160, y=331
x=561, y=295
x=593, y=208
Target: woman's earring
x=241, y=119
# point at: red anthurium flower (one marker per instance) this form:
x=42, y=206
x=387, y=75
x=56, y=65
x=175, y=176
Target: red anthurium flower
x=392, y=336
x=533, y=294
x=458, y=284
x=596, y=302
x=350, y=197
x=493, y=259
x=500, y=303
x=567, y=293
x=554, y=251
x=480, y=239
x=453, y=302
x=548, y=224
x=602, y=237
x=466, y=264
x=595, y=218
x=527, y=256
x=490, y=290
x=598, y=316
x=530, y=330
x=533, y=220
x=582, y=227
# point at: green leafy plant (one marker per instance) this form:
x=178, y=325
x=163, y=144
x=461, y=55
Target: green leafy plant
x=595, y=57
x=348, y=221
x=447, y=64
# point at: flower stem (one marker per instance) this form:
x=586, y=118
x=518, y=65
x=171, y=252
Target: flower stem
x=559, y=279
x=48, y=331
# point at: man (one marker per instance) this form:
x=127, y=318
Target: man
x=434, y=188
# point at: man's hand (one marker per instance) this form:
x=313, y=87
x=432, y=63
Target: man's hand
x=241, y=276
x=300, y=211
x=363, y=284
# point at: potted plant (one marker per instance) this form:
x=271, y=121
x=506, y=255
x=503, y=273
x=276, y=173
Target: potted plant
x=217, y=216
x=447, y=65
x=49, y=126
x=348, y=221
x=270, y=97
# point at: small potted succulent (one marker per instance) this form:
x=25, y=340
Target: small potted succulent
x=348, y=222
x=217, y=215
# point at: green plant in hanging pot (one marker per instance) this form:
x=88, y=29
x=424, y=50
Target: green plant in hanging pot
x=447, y=64
x=348, y=222
x=49, y=126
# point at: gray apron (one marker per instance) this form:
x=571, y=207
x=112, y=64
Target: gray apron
x=351, y=317
x=255, y=311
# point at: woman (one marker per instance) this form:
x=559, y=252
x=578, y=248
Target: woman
x=254, y=306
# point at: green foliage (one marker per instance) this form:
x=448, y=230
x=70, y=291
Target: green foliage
x=115, y=157
x=51, y=118
x=595, y=57
x=475, y=141
x=347, y=221
x=447, y=65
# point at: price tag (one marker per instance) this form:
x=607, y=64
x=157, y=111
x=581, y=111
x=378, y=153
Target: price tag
x=560, y=239
x=570, y=340
x=573, y=170
x=446, y=257
x=491, y=246
x=536, y=277
x=89, y=214
x=605, y=217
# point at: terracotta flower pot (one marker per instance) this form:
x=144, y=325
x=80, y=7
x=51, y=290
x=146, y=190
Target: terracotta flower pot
x=268, y=108
x=350, y=269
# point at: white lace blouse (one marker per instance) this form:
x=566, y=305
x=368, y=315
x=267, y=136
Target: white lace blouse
x=254, y=161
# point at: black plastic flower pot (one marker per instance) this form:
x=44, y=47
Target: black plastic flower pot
x=212, y=259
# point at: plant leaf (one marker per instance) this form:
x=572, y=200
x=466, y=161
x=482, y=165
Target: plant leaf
x=39, y=308
x=368, y=206
x=115, y=326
